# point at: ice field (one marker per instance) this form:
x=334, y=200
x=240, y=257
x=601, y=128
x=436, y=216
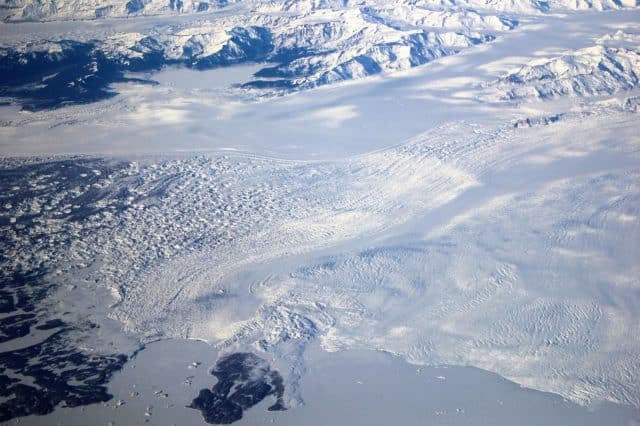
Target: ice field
x=479, y=209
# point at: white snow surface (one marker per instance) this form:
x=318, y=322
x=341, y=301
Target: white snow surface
x=513, y=250
x=506, y=272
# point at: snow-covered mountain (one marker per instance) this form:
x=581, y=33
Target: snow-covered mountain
x=593, y=71
x=611, y=66
x=300, y=49
x=31, y=10
x=304, y=44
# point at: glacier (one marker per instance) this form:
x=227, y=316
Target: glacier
x=452, y=183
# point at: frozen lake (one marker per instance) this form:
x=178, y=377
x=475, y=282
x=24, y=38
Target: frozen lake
x=349, y=388
x=204, y=82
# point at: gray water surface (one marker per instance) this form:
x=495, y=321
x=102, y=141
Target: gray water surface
x=344, y=388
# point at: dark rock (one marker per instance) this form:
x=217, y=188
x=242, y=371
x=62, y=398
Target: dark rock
x=538, y=121
x=103, y=12
x=54, y=323
x=134, y=6
x=60, y=373
x=15, y=326
x=244, y=380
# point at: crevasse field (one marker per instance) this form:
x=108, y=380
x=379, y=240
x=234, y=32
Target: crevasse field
x=320, y=212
